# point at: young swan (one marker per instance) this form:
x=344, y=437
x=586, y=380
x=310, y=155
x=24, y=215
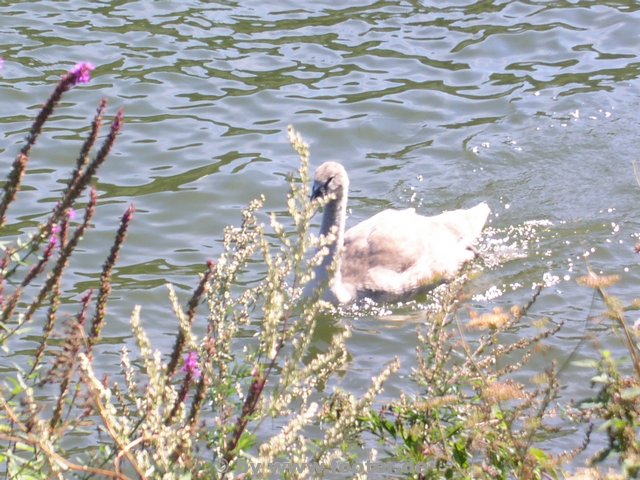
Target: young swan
x=396, y=253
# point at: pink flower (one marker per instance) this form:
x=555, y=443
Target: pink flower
x=191, y=366
x=71, y=214
x=1, y=62
x=54, y=239
x=82, y=72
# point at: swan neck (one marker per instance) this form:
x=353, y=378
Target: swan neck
x=334, y=215
x=333, y=221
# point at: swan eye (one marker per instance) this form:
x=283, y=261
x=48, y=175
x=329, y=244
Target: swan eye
x=326, y=185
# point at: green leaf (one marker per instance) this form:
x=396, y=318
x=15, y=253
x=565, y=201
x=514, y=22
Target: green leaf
x=602, y=378
x=389, y=427
x=247, y=440
x=460, y=453
x=540, y=455
x=588, y=405
x=586, y=363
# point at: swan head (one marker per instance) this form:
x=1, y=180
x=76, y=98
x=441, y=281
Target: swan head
x=330, y=182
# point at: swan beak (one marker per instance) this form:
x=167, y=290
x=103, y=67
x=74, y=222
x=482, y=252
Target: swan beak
x=317, y=191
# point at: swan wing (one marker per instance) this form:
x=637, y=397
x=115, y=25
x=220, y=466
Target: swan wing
x=398, y=252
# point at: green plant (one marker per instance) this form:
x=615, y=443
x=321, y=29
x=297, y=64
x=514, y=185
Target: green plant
x=197, y=411
x=473, y=420
x=616, y=405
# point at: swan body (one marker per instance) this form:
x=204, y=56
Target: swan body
x=394, y=254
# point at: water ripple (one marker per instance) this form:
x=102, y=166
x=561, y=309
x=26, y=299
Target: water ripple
x=531, y=105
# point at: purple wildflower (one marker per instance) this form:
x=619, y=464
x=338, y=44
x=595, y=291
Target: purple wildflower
x=71, y=214
x=191, y=366
x=54, y=239
x=1, y=62
x=82, y=72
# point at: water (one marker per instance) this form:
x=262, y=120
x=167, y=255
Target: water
x=530, y=105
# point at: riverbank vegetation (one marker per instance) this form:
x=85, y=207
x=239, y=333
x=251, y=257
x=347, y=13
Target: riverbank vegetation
x=250, y=396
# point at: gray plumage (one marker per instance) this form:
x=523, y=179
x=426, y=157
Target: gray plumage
x=394, y=254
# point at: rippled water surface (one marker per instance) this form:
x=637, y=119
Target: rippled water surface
x=529, y=105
